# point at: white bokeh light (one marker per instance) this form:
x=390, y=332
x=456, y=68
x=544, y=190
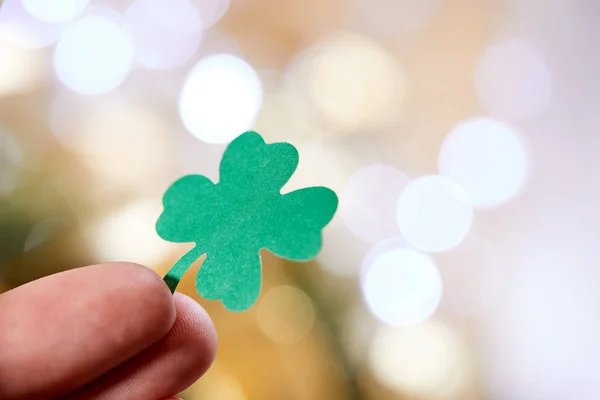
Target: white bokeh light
x=166, y=34
x=513, y=81
x=434, y=213
x=402, y=287
x=94, y=55
x=55, y=10
x=380, y=248
x=429, y=361
x=220, y=98
x=22, y=29
x=487, y=158
x=368, y=202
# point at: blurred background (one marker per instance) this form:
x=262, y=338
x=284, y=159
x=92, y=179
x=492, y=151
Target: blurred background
x=461, y=136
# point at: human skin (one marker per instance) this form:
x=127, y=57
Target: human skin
x=108, y=331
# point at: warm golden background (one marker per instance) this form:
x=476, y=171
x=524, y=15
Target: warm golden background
x=462, y=137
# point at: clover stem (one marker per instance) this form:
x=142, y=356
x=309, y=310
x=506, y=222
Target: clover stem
x=176, y=272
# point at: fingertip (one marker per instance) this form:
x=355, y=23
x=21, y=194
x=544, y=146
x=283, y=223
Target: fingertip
x=168, y=367
x=149, y=290
x=86, y=320
x=195, y=332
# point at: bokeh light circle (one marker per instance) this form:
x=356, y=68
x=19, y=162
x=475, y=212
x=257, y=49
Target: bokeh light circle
x=19, y=27
x=285, y=314
x=284, y=116
x=217, y=385
x=220, y=98
x=513, y=81
x=94, y=55
x=368, y=202
x=429, y=361
x=434, y=213
x=55, y=10
x=128, y=233
x=402, y=287
x=166, y=35
x=352, y=82
x=487, y=158
x=380, y=248
x=124, y=145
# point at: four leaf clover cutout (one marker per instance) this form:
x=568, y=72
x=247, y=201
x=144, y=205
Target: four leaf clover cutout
x=232, y=220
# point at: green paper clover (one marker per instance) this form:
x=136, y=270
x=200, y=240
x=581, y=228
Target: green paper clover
x=232, y=220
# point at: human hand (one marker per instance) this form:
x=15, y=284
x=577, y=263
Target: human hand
x=109, y=331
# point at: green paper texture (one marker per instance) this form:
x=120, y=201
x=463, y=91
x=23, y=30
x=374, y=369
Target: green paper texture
x=232, y=220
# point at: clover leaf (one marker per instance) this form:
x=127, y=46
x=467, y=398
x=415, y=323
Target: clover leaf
x=232, y=220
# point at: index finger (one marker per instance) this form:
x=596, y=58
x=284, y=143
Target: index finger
x=60, y=332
